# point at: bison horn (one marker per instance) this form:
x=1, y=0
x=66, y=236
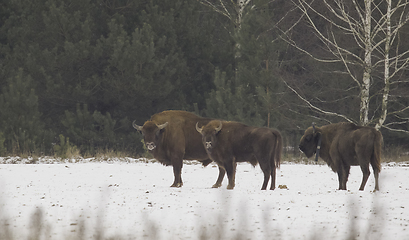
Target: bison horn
x=137, y=127
x=198, y=129
x=219, y=128
x=162, y=126
x=313, y=128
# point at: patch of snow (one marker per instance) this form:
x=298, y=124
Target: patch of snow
x=131, y=198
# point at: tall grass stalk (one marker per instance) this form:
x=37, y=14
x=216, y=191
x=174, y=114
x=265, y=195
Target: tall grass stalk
x=39, y=229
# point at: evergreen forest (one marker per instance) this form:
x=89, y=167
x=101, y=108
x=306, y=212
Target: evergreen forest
x=75, y=74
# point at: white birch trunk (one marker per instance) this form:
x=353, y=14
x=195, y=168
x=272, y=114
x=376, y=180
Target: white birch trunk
x=240, y=6
x=371, y=39
x=366, y=79
x=384, y=107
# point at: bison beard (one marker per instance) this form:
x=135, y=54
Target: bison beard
x=344, y=145
x=230, y=142
x=170, y=136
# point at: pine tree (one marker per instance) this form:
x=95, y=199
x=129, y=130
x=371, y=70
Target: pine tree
x=90, y=131
x=259, y=65
x=232, y=103
x=19, y=116
x=254, y=90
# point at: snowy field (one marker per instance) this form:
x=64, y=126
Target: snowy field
x=128, y=200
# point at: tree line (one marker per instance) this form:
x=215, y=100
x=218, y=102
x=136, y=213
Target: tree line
x=78, y=73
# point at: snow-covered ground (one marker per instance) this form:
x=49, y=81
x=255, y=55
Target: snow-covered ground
x=133, y=200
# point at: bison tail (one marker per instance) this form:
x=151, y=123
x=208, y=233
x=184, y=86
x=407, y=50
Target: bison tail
x=278, y=149
x=376, y=157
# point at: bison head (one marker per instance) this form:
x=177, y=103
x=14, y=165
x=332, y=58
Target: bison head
x=209, y=133
x=152, y=133
x=309, y=142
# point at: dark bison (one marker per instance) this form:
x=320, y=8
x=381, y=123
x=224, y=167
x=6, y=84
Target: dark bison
x=230, y=142
x=170, y=136
x=342, y=145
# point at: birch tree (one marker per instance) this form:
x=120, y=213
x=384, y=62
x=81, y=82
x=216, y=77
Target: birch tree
x=394, y=63
x=232, y=10
x=232, y=96
x=375, y=28
x=255, y=54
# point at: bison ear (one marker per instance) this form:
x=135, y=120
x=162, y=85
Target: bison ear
x=159, y=131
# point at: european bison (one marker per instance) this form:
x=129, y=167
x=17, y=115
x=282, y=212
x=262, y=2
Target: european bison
x=170, y=136
x=230, y=142
x=344, y=145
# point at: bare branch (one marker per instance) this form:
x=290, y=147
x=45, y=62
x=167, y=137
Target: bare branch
x=291, y=42
x=346, y=64
x=397, y=82
x=373, y=32
x=399, y=111
x=215, y=8
x=359, y=10
x=328, y=42
x=317, y=108
x=290, y=28
x=394, y=129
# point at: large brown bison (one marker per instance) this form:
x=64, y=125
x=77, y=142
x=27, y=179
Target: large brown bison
x=230, y=142
x=170, y=136
x=342, y=145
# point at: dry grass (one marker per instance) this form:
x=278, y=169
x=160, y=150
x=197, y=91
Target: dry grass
x=106, y=154
x=395, y=154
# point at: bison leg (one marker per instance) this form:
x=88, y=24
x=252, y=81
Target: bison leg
x=345, y=177
x=273, y=172
x=231, y=173
x=265, y=167
x=266, y=179
x=365, y=176
x=177, y=172
x=343, y=173
x=340, y=180
x=376, y=175
x=220, y=178
x=340, y=173
x=273, y=178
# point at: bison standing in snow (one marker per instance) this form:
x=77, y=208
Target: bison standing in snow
x=170, y=136
x=230, y=142
x=342, y=145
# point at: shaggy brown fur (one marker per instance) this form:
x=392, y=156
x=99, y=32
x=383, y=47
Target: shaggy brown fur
x=230, y=142
x=345, y=145
x=170, y=136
